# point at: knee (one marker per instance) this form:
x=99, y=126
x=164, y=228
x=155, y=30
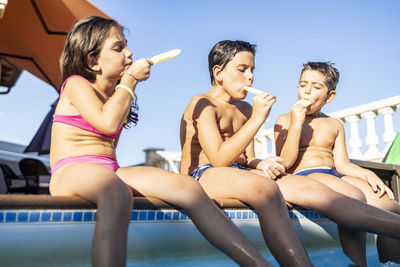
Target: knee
x=357, y=194
x=116, y=198
x=388, y=204
x=191, y=191
x=264, y=193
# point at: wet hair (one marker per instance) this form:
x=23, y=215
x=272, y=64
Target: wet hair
x=84, y=42
x=225, y=51
x=327, y=69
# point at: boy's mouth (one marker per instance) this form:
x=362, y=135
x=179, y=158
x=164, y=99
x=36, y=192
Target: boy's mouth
x=305, y=102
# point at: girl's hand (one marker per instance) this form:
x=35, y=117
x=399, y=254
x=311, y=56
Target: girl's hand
x=262, y=104
x=140, y=69
x=298, y=113
x=272, y=167
x=377, y=184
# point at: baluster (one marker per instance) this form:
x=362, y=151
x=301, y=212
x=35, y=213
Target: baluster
x=355, y=142
x=261, y=147
x=389, y=134
x=257, y=149
x=272, y=142
x=371, y=139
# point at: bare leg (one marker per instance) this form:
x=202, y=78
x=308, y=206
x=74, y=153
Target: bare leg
x=354, y=245
x=350, y=213
x=388, y=248
x=305, y=192
x=114, y=202
x=353, y=242
x=185, y=192
x=264, y=196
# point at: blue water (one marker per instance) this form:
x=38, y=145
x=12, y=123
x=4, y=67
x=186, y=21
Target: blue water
x=330, y=258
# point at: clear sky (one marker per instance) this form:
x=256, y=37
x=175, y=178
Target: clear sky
x=361, y=36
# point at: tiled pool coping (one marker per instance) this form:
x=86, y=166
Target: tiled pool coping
x=77, y=216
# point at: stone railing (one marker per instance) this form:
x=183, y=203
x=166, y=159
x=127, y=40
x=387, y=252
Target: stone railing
x=167, y=160
x=366, y=122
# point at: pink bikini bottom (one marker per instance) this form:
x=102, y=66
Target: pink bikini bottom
x=106, y=161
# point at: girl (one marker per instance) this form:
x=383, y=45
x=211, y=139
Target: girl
x=91, y=112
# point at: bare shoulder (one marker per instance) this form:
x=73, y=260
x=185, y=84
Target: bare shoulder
x=77, y=84
x=334, y=122
x=197, y=105
x=198, y=100
x=195, y=99
x=283, y=120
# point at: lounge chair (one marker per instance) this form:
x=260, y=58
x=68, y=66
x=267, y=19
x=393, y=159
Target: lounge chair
x=10, y=177
x=33, y=169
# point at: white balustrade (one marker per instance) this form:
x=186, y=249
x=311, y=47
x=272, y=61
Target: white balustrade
x=389, y=134
x=264, y=144
x=372, y=140
x=361, y=117
x=172, y=159
x=355, y=142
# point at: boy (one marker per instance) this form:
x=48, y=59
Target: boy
x=214, y=117
x=217, y=131
x=313, y=145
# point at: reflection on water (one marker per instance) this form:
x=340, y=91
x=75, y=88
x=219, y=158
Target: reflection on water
x=331, y=258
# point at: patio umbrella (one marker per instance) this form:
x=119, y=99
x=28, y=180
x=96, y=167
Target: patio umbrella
x=41, y=141
x=32, y=36
x=33, y=32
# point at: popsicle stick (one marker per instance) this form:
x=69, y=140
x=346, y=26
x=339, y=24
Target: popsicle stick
x=252, y=90
x=304, y=102
x=166, y=55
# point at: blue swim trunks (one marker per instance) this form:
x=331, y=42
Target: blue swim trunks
x=327, y=170
x=196, y=174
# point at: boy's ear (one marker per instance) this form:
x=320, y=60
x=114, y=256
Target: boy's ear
x=93, y=63
x=217, y=71
x=331, y=96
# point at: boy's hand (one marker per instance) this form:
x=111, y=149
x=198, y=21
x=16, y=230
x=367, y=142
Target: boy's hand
x=377, y=184
x=140, y=69
x=242, y=159
x=262, y=104
x=272, y=167
x=298, y=113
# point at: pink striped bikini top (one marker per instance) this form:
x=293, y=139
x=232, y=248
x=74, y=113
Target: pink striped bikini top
x=77, y=120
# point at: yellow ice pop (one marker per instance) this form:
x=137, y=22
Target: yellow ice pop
x=252, y=90
x=166, y=55
x=305, y=102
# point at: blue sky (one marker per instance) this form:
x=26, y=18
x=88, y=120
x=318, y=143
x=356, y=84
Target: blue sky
x=361, y=36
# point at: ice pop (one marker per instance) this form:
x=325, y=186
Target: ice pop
x=166, y=55
x=252, y=90
x=305, y=102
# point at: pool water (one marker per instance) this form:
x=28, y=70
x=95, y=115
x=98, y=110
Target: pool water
x=327, y=258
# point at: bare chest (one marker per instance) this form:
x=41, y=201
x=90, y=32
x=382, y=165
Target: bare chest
x=229, y=120
x=318, y=132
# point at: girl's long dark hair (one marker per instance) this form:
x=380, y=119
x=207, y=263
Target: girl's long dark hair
x=85, y=41
x=133, y=116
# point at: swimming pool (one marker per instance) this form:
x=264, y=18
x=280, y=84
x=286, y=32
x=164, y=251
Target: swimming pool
x=47, y=235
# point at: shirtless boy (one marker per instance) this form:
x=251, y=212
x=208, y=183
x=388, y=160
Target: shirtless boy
x=312, y=144
x=207, y=128
x=217, y=132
